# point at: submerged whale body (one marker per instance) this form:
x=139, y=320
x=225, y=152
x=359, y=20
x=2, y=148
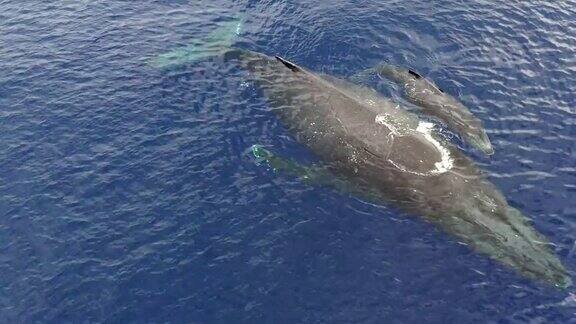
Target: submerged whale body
x=373, y=143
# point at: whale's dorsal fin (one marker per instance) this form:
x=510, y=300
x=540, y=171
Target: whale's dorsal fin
x=416, y=75
x=288, y=64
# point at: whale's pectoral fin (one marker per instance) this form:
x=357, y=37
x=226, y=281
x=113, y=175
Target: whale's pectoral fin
x=310, y=173
x=314, y=174
x=213, y=44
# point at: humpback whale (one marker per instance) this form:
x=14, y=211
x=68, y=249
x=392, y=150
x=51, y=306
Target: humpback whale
x=424, y=93
x=374, y=148
x=389, y=153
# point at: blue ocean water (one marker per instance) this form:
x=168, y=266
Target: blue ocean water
x=128, y=193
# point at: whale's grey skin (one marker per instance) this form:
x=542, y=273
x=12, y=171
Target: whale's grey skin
x=401, y=165
x=424, y=93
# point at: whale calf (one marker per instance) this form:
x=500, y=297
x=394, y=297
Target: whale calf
x=389, y=153
x=424, y=93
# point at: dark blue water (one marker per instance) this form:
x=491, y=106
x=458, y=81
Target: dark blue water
x=128, y=194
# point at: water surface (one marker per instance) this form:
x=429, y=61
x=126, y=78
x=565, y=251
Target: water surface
x=128, y=194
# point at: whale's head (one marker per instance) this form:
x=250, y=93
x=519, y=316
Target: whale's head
x=480, y=140
x=458, y=118
x=489, y=225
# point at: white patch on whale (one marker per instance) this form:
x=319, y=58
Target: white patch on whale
x=425, y=128
x=446, y=163
x=392, y=123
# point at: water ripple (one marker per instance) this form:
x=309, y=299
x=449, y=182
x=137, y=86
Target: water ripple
x=127, y=194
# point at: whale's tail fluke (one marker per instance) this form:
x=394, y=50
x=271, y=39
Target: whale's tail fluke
x=215, y=43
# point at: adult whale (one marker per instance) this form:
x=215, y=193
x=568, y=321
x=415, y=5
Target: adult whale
x=389, y=153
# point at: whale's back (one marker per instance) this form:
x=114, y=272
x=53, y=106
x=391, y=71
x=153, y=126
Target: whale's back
x=341, y=126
